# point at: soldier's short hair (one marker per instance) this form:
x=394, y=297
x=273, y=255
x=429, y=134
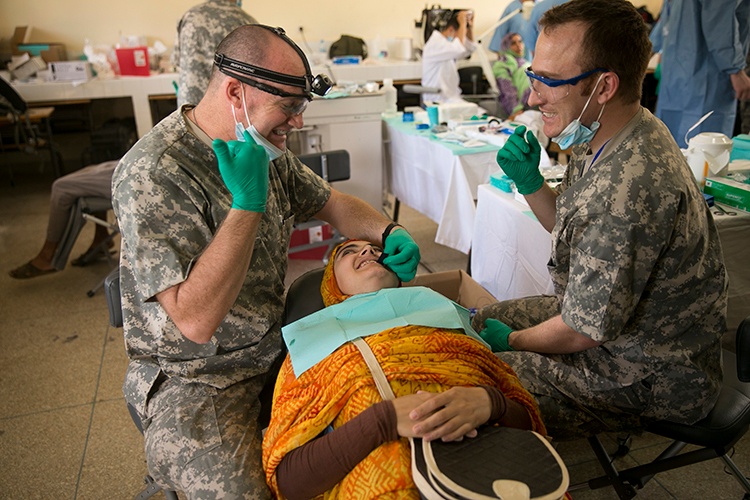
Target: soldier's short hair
x=616, y=39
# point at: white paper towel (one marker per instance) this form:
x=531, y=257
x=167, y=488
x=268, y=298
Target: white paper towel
x=400, y=48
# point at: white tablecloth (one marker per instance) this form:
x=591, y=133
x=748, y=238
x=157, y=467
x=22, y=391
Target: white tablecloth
x=510, y=247
x=428, y=176
x=510, y=251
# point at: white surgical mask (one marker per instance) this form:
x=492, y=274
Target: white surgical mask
x=239, y=131
x=576, y=132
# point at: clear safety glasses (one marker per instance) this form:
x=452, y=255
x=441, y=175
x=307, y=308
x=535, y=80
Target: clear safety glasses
x=552, y=90
x=289, y=107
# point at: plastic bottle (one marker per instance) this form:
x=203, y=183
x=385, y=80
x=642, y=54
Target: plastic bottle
x=390, y=98
x=322, y=51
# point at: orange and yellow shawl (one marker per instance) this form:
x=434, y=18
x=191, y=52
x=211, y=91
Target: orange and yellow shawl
x=340, y=387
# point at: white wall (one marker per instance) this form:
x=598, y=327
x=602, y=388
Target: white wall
x=104, y=21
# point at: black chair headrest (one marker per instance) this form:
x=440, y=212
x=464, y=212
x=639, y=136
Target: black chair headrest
x=303, y=297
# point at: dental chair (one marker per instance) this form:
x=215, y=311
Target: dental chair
x=303, y=296
x=714, y=436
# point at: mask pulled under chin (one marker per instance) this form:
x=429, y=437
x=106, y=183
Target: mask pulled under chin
x=576, y=132
x=272, y=151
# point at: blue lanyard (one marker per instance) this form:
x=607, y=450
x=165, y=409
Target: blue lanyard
x=596, y=156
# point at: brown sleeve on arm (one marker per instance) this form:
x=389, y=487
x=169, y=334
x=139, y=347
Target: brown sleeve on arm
x=506, y=411
x=318, y=465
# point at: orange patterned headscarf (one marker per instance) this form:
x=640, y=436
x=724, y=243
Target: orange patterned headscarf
x=329, y=288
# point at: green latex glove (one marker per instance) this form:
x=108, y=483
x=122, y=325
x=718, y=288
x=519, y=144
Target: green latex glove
x=403, y=254
x=244, y=169
x=519, y=159
x=496, y=334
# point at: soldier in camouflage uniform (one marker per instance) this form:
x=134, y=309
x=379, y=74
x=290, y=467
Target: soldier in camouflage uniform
x=199, y=31
x=633, y=332
x=205, y=235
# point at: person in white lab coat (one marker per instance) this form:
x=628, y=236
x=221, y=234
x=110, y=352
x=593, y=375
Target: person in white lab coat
x=439, y=55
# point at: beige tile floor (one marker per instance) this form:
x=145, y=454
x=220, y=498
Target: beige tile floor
x=64, y=428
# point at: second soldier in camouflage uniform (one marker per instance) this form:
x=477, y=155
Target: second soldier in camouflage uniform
x=634, y=330
x=199, y=32
x=205, y=231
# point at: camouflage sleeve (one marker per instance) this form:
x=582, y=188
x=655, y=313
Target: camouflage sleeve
x=162, y=224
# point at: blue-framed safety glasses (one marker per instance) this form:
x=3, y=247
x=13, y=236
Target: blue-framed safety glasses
x=551, y=89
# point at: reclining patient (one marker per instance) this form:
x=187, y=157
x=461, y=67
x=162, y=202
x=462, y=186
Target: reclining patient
x=330, y=430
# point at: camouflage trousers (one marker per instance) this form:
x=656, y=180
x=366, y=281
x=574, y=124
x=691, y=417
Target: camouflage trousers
x=573, y=404
x=205, y=441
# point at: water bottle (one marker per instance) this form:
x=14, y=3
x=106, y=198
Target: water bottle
x=390, y=99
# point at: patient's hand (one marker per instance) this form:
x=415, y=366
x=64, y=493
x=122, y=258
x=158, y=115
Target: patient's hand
x=450, y=415
x=405, y=405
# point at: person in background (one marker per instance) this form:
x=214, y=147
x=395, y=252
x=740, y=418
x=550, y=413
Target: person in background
x=510, y=73
x=454, y=41
x=206, y=203
x=745, y=105
x=438, y=394
x=199, y=31
x=633, y=331
x=95, y=181
x=516, y=24
x=532, y=26
x=704, y=50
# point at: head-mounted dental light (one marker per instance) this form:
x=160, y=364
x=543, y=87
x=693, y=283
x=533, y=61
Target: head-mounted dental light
x=319, y=85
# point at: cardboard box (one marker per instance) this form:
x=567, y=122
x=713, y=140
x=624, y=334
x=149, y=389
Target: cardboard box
x=50, y=52
x=22, y=34
x=69, y=71
x=458, y=286
x=133, y=61
x=732, y=189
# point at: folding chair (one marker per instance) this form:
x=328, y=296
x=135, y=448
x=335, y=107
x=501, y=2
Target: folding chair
x=24, y=123
x=715, y=435
x=79, y=214
x=332, y=166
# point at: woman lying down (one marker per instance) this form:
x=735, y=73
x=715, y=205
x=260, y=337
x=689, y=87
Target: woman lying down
x=331, y=432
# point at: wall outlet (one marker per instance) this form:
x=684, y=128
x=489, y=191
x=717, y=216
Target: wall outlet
x=313, y=142
x=316, y=234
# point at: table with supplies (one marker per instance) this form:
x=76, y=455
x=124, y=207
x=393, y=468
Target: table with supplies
x=438, y=178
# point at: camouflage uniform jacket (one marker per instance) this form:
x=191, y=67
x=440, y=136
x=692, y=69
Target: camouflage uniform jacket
x=637, y=265
x=170, y=200
x=199, y=32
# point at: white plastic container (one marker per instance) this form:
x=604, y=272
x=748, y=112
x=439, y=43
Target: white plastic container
x=708, y=154
x=391, y=110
